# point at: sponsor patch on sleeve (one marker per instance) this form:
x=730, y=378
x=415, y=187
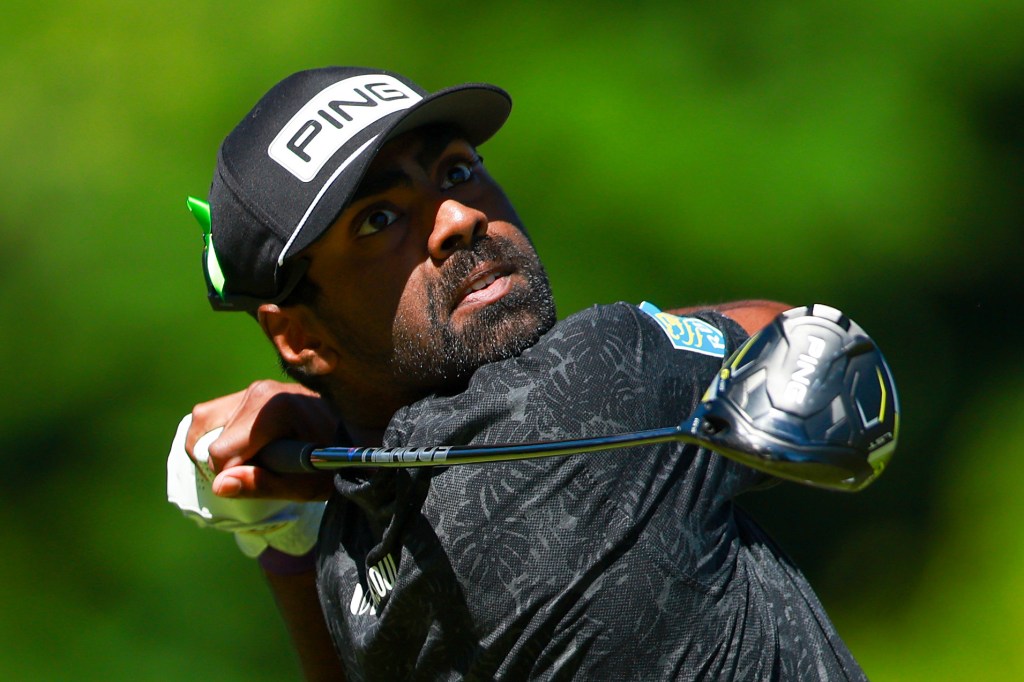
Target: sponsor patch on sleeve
x=688, y=333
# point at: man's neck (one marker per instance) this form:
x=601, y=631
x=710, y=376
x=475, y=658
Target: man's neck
x=365, y=415
x=366, y=409
x=363, y=436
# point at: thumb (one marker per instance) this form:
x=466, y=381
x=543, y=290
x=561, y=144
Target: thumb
x=234, y=482
x=247, y=481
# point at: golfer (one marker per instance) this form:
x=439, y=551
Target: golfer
x=352, y=216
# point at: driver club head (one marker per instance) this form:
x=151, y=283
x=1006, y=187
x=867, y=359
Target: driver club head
x=809, y=398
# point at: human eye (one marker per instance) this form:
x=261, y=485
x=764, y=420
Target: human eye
x=375, y=221
x=458, y=173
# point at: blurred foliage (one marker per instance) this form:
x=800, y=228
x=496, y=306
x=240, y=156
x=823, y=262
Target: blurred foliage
x=868, y=155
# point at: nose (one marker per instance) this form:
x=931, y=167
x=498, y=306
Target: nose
x=456, y=226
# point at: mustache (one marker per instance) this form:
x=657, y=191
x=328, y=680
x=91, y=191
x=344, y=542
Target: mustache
x=461, y=263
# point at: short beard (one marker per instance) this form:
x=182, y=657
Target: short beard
x=441, y=357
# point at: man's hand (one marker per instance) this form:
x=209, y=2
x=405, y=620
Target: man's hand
x=265, y=411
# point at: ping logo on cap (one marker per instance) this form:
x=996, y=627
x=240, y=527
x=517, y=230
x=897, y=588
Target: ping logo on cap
x=333, y=117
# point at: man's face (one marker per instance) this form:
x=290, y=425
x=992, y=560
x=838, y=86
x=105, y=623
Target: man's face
x=427, y=274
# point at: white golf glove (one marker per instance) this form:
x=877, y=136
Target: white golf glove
x=289, y=527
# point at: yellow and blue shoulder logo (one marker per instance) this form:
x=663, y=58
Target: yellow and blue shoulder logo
x=688, y=333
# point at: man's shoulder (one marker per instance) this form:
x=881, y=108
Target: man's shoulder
x=620, y=313
x=609, y=323
x=702, y=332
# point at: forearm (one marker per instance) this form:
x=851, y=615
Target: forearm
x=297, y=600
x=752, y=315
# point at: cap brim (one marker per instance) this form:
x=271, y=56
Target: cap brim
x=479, y=110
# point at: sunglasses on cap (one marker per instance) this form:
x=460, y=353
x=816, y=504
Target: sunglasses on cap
x=214, y=275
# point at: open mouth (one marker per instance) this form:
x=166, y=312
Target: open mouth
x=483, y=283
x=484, y=286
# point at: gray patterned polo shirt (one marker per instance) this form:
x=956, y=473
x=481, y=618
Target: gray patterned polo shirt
x=631, y=564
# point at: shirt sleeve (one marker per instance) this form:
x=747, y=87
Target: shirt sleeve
x=606, y=370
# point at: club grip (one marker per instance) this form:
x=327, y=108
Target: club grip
x=286, y=457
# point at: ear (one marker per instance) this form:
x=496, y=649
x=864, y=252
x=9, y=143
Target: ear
x=298, y=337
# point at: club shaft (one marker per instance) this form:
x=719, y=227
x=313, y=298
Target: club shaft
x=300, y=457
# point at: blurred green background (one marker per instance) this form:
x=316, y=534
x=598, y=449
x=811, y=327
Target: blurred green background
x=868, y=155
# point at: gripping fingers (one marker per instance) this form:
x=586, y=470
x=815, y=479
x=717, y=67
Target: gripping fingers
x=211, y=415
x=266, y=411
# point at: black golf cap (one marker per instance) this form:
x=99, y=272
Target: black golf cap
x=289, y=168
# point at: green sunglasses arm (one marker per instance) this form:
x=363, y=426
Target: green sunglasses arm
x=201, y=212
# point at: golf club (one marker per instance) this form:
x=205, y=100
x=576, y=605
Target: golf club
x=809, y=398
